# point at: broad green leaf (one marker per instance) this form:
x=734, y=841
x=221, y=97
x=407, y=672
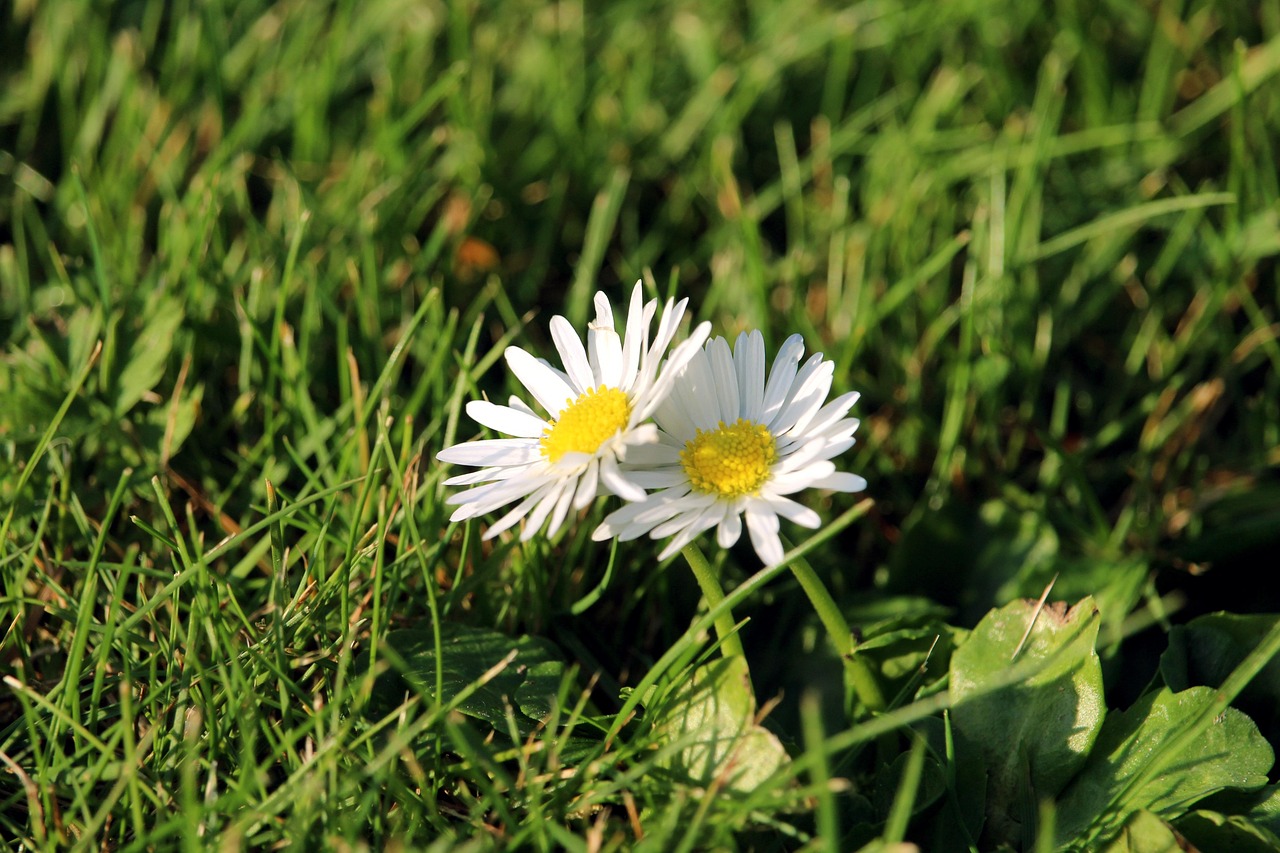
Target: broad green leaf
x=1206, y=650
x=976, y=557
x=709, y=719
x=1267, y=811
x=527, y=685
x=1145, y=833
x=1032, y=734
x=908, y=653
x=1209, y=830
x=933, y=784
x=1130, y=769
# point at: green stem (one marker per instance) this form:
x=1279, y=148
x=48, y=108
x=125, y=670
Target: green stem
x=730, y=643
x=861, y=678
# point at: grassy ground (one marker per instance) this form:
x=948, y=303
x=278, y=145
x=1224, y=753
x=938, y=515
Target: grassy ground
x=255, y=256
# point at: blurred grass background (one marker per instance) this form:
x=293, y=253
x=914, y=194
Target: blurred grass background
x=1041, y=240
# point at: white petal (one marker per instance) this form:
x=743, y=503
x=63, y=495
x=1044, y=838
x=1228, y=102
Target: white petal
x=674, y=420
x=604, y=312
x=834, y=434
x=799, y=457
x=793, y=511
x=687, y=526
x=605, y=350
x=540, y=512
x=485, y=475
x=652, y=455
x=588, y=485
x=637, y=437
x=560, y=512
x=793, y=481
x=840, y=481
x=730, y=529
x=724, y=378
x=506, y=420
x=517, y=513
x=808, y=392
x=635, y=339
x=671, y=316
x=675, y=365
x=835, y=448
x=841, y=429
x=572, y=355
x=616, y=482
x=748, y=362
x=623, y=522
x=490, y=496
x=492, y=451
x=694, y=392
x=663, y=505
x=661, y=478
x=762, y=524
x=781, y=377
x=604, y=347
x=571, y=463
x=645, y=372
x=694, y=528
x=689, y=506
x=551, y=391
x=832, y=412
x=649, y=376
x=520, y=405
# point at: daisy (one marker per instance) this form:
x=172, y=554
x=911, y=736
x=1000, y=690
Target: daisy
x=597, y=408
x=732, y=445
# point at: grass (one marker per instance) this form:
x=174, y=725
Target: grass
x=254, y=258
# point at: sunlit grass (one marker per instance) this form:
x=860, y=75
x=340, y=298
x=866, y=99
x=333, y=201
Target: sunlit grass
x=255, y=257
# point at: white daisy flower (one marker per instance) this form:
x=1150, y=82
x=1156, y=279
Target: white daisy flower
x=597, y=408
x=731, y=445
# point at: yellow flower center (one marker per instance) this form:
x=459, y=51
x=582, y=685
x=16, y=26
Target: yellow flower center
x=730, y=461
x=586, y=422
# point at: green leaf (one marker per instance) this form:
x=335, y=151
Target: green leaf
x=148, y=354
x=1209, y=830
x=887, y=781
x=910, y=653
x=1266, y=813
x=1206, y=650
x=710, y=720
x=1130, y=770
x=527, y=685
x=975, y=557
x=1032, y=734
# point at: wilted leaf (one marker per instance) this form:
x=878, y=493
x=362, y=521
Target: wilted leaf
x=1145, y=833
x=711, y=719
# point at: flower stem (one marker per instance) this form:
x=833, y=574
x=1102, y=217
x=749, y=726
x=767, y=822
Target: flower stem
x=730, y=643
x=861, y=679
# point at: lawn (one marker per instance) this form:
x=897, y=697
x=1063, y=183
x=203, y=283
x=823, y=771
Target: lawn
x=260, y=260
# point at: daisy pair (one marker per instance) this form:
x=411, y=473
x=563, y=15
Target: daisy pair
x=700, y=441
